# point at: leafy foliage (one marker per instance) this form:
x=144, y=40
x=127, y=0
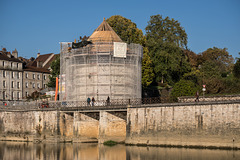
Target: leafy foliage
x=215, y=62
x=166, y=30
x=236, y=69
x=55, y=71
x=147, y=70
x=126, y=29
x=184, y=88
x=165, y=39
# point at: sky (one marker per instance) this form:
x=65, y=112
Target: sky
x=33, y=26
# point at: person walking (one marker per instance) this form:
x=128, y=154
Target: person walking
x=93, y=100
x=88, y=101
x=197, y=97
x=108, y=100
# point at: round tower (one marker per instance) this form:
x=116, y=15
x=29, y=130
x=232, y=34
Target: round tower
x=105, y=67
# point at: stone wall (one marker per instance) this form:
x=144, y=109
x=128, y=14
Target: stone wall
x=210, y=98
x=62, y=126
x=185, y=125
x=27, y=126
x=111, y=127
x=204, y=124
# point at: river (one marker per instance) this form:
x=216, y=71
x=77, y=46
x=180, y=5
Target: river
x=87, y=151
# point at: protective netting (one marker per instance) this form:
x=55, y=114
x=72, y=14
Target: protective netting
x=93, y=71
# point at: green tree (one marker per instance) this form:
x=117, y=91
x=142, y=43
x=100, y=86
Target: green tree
x=147, y=70
x=55, y=71
x=236, y=68
x=165, y=41
x=126, y=29
x=216, y=66
x=166, y=30
x=128, y=32
x=215, y=62
x=191, y=58
x=184, y=88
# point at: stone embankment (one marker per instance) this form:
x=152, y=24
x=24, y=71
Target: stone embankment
x=213, y=124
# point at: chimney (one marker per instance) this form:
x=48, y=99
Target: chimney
x=38, y=54
x=15, y=53
x=38, y=64
x=9, y=55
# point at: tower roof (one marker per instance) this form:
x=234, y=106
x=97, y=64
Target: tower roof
x=104, y=33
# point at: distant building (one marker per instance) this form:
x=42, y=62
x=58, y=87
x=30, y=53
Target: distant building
x=36, y=73
x=11, y=71
x=20, y=77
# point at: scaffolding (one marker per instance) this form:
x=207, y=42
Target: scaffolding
x=94, y=71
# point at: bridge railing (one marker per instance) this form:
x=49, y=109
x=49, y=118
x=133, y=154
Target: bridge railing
x=66, y=104
x=115, y=103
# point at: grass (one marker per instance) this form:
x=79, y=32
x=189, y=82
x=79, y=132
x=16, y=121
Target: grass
x=110, y=143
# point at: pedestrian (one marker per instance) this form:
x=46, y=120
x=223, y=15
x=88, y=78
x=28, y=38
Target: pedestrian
x=93, y=100
x=197, y=97
x=88, y=101
x=108, y=100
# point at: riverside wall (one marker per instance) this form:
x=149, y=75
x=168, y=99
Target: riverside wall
x=210, y=125
x=54, y=126
x=202, y=124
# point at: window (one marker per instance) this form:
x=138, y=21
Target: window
x=3, y=63
x=12, y=96
x=17, y=65
x=45, y=86
x=38, y=76
x=4, y=73
x=26, y=94
x=12, y=84
x=33, y=76
x=26, y=75
x=18, y=85
x=38, y=85
x=33, y=85
x=11, y=64
x=12, y=74
x=18, y=75
x=4, y=94
x=18, y=95
x=44, y=77
x=4, y=84
x=26, y=84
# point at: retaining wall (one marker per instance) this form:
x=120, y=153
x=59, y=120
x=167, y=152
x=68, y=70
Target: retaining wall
x=195, y=124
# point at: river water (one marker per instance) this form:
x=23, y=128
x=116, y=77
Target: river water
x=87, y=151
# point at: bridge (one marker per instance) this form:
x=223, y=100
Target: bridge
x=117, y=104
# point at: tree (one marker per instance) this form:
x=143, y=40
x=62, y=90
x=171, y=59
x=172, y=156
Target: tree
x=215, y=62
x=166, y=30
x=184, y=88
x=191, y=58
x=126, y=29
x=236, y=68
x=128, y=32
x=165, y=41
x=55, y=71
x=147, y=70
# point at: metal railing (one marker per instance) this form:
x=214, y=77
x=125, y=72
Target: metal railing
x=98, y=104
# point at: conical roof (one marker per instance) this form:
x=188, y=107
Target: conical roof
x=104, y=33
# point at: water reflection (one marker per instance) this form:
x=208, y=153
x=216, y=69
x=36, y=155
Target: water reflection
x=30, y=151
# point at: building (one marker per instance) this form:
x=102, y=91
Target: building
x=36, y=74
x=105, y=67
x=11, y=71
x=20, y=77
